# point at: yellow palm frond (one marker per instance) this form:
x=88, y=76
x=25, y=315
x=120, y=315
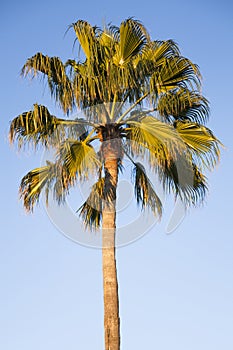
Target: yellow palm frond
x=48, y=178
x=149, y=134
x=78, y=158
x=133, y=37
x=174, y=73
x=157, y=51
x=38, y=126
x=183, y=104
x=201, y=142
x=86, y=36
x=183, y=178
x=102, y=192
x=91, y=209
x=75, y=160
x=144, y=191
x=54, y=70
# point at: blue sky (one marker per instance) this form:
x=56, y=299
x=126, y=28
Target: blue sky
x=175, y=290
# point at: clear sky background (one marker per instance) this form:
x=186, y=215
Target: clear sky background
x=176, y=291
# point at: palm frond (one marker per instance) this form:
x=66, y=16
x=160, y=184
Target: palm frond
x=32, y=185
x=201, y=142
x=51, y=178
x=133, y=37
x=75, y=160
x=73, y=65
x=183, y=178
x=102, y=193
x=58, y=82
x=149, y=134
x=86, y=36
x=159, y=50
x=38, y=126
x=109, y=39
x=176, y=72
x=183, y=104
x=91, y=209
x=78, y=158
x=114, y=31
x=144, y=191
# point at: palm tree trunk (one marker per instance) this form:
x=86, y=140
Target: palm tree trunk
x=110, y=285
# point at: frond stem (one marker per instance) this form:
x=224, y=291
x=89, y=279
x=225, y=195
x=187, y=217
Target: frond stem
x=132, y=107
x=113, y=106
x=76, y=122
x=128, y=156
x=141, y=114
x=89, y=138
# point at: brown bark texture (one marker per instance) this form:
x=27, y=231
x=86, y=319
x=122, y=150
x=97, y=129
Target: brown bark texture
x=110, y=151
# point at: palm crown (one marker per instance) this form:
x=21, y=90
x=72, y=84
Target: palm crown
x=141, y=96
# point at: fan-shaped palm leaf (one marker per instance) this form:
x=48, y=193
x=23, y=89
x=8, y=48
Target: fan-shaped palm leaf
x=78, y=158
x=160, y=139
x=175, y=72
x=133, y=37
x=201, y=142
x=158, y=51
x=38, y=126
x=52, y=178
x=183, y=104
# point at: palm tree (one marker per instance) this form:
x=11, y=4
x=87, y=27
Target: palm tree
x=140, y=99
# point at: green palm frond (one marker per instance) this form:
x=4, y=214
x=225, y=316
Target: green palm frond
x=183, y=104
x=201, y=142
x=144, y=191
x=133, y=37
x=73, y=65
x=100, y=196
x=87, y=38
x=52, y=67
x=75, y=160
x=91, y=210
x=52, y=178
x=158, y=51
x=184, y=180
x=149, y=134
x=198, y=190
x=78, y=159
x=176, y=72
x=58, y=82
x=108, y=40
x=38, y=126
x=87, y=90
x=91, y=217
x=32, y=185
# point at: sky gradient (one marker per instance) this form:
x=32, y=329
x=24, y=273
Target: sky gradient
x=176, y=291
